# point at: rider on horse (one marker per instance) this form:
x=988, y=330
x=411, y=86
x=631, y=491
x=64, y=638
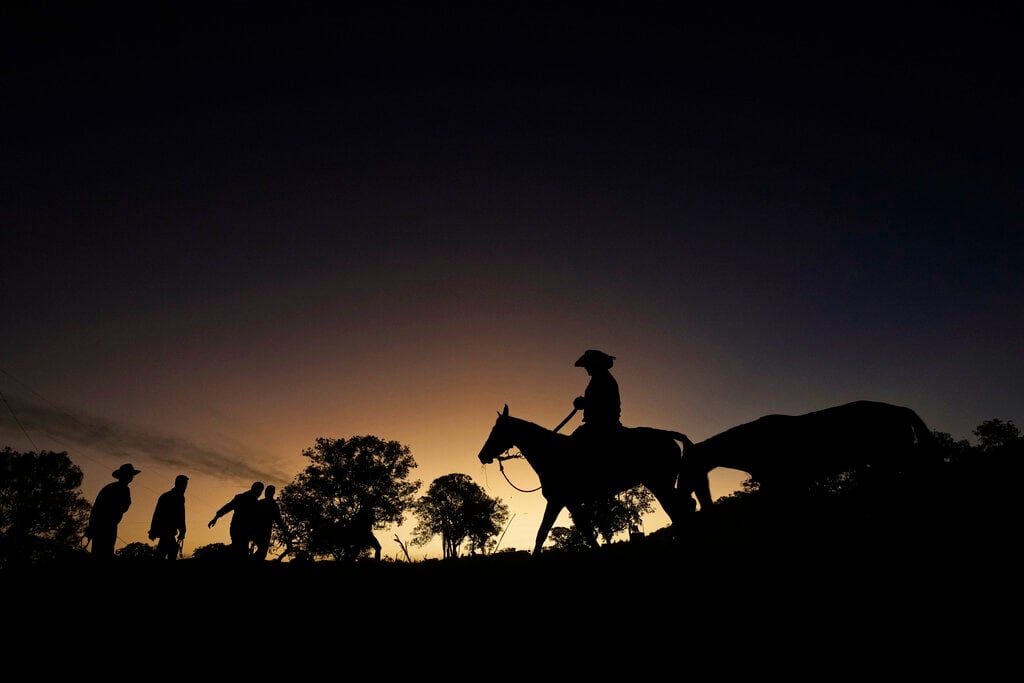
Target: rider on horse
x=600, y=404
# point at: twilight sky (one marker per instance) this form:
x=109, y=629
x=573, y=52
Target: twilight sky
x=228, y=232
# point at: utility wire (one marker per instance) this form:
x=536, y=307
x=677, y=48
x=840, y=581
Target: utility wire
x=15, y=416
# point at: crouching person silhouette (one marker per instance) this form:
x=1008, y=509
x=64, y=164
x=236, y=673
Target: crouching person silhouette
x=243, y=519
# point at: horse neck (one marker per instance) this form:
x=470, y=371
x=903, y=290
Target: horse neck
x=534, y=441
x=727, y=449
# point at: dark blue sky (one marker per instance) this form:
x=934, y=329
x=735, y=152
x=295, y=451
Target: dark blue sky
x=756, y=210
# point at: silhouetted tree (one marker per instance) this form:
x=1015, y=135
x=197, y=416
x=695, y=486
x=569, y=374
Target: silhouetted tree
x=460, y=511
x=137, y=552
x=213, y=551
x=569, y=539
x=615, y=515
x=996, y=435
x=345, y=478
x=952, y=450
x=42, y=511
x=620, y=513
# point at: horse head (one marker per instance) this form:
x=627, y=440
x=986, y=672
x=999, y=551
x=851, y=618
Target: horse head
x=498, y=441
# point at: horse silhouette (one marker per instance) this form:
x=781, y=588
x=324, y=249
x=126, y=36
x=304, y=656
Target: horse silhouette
x=571, y=480
x=782, y=453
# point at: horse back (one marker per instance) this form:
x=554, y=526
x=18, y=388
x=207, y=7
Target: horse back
x=819, y=443
x=635, y=456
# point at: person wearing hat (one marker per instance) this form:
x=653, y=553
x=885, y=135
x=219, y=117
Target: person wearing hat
x=168, y=522
x=112, y=502
x=600, y=401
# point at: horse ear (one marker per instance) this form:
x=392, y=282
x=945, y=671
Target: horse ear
x=504, y=413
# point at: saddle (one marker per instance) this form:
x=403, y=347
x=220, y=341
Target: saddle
x=602, y=443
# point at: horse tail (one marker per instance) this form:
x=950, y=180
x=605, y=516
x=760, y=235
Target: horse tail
x=678, y=436
x=692, y=474
x=692, y=478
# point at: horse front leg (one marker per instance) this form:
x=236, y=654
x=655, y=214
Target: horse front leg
x=548, y=521
x=693, y=484
x=702, y=489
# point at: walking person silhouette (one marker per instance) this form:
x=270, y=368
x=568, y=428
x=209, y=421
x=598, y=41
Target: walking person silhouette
x=267, y=515
x=168, y=523
x=112, y=502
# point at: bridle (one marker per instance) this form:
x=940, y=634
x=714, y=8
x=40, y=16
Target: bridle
x=501, y=459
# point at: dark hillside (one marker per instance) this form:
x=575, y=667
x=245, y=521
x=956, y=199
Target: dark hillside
x=863, y=568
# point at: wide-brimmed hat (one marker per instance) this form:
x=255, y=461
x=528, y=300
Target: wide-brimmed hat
x=593, y=358
x=124, y=470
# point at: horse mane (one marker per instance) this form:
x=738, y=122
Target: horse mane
x=539, y=429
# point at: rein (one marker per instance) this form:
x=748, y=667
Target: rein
x=501, y=459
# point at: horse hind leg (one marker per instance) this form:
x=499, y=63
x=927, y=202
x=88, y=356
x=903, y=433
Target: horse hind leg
x=677, y=504
x=550, y=515
x=669, y=502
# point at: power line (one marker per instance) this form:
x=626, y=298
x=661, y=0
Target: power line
x=15, y=416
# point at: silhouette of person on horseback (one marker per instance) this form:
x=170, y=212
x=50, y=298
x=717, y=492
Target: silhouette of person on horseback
x=600, y=404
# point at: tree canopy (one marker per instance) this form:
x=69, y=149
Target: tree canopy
x=622, y=512
x=569, y=539
x=42, y=510
x=461, y=512
x=345, y=480
x=617, y=514
x=996, y=434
